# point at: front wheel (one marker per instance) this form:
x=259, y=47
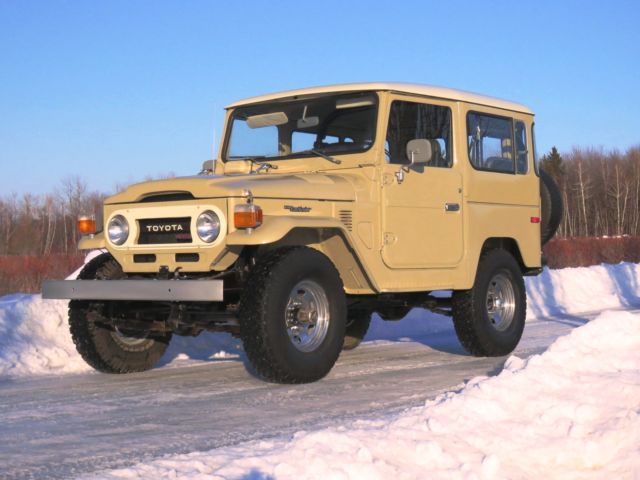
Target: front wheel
x=292, y=315
x=489, y=318
x=104, y=347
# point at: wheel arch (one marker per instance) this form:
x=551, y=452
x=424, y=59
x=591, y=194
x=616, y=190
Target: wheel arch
x=508, y=244
x=335, y=244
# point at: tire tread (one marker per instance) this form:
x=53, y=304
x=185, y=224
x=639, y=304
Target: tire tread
x=254, y=324
x=466, y=315
x=93, y=343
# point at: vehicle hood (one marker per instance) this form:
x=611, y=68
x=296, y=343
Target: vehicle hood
x=311, y=186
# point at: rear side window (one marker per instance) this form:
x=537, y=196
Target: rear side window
x=522, y=153
x=490, y=142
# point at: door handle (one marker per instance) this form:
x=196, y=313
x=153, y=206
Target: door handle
x=451, y=207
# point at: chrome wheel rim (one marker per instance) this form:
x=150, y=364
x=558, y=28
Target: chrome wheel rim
x=501, y=302
x=307, y=315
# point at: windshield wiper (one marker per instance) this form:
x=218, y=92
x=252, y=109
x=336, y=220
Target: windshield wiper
x=255, y=160
x=320, y=154
x=251, y=158
x=264, y=166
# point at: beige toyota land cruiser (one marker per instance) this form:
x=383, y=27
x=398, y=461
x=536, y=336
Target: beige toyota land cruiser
x=325, y=205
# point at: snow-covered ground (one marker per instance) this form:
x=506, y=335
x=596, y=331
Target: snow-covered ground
x=394, y=408
x=571, y=412
x=34, y=337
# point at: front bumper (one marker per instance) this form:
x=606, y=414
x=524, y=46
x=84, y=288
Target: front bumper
x=148, y=290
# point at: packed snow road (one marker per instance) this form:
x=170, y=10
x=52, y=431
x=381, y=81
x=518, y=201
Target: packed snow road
x=59, y=419
x=70, y=425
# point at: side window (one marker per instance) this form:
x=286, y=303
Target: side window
x=490, y=142
x=522, y=153
x=410, y=120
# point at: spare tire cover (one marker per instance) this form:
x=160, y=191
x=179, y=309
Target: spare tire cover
x=550, y=206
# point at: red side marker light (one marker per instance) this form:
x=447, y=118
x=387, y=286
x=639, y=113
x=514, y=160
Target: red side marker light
x=535, y=219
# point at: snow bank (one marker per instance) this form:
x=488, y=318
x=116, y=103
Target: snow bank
x=35, y=339
x=571, y=412
x=34, y=333
x=585, y=289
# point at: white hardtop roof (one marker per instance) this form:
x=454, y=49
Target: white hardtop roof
x=424, y=90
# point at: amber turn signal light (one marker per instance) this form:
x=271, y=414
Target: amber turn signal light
x=87, y=225
x=247, y=216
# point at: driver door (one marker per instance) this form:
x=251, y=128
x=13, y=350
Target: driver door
x=422, y=203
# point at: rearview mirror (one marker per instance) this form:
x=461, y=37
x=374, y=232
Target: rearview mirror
x=419, y=151
x=267, y=120
x=308, y=122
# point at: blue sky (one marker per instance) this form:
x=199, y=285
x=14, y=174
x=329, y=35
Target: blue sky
x=119, y=90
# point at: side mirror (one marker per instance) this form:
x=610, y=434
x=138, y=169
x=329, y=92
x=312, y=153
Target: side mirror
x=419, y=151
x=208, y=167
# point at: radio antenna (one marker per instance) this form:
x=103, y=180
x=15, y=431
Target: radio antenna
x=213, y=153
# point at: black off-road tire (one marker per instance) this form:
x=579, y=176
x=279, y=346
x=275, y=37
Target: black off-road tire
x=262, y=315
x=551, y=207
x=477, y=333
x=358, y=322
x=102, y=347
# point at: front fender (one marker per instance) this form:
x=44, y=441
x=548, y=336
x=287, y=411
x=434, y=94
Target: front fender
x=93, y=242
x=274, y=229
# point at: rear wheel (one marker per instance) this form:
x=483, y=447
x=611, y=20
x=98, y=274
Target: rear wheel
x=104, y=347
x=292, y=315
x=489, y=318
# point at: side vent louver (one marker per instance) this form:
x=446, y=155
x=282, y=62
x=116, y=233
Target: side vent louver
x=346, y=217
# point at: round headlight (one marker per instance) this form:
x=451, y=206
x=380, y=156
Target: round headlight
x=118, y=230
x=208, y=225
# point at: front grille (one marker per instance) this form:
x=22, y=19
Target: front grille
x=187, y=257
x=164, y=230
x=144, y=258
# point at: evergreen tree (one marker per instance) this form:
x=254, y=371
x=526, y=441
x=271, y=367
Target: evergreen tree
x=552, y=164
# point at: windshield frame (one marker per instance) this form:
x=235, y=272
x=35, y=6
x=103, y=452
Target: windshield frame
x=302, y=154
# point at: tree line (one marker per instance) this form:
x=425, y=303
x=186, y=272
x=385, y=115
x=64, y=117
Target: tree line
x=46, y=224
x=600, y=190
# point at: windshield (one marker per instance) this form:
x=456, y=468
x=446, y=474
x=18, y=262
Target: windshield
x=330, y=124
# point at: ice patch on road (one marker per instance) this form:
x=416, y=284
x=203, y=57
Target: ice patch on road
x=35, y=340
x=571, y=412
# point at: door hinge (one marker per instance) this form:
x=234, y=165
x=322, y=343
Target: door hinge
x=388, y=179
x=389, y=238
